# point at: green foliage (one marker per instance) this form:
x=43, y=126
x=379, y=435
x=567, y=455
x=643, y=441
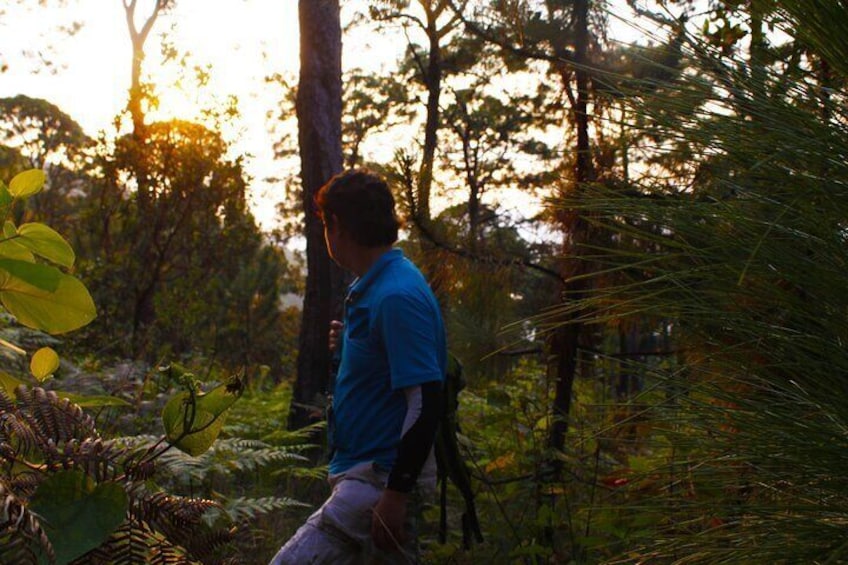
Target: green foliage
x=89, y=495
x=42, y=132
x=38, y=295
x=67, y=493
x=193, y=419
x=259, y=472
x=178, y=263
x=738, y=251
x=78, y=514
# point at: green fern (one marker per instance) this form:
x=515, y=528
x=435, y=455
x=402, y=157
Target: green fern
x=42, y=435
x=241, y=509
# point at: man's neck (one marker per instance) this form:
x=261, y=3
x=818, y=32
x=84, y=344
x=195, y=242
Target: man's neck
x=365, y=257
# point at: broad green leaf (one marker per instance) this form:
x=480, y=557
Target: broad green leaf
x=96, y=401
x=27, y=183
x=47, y=243
x=5, y=198
x=204, y=429
x=209, y=414
x=9, y=383
x=220, y=398
x=66, y=308
x=43, y=277
x=77, y=514
x=10, y=247
x=44, y=363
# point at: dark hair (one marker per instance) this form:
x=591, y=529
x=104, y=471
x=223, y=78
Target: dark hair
x=363, y=205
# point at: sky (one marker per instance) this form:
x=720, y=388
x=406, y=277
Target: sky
x=90, y=77
x=244, y=41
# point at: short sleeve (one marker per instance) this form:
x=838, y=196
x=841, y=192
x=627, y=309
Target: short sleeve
x=410, y=331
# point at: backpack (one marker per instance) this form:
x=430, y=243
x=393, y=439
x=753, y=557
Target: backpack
x=449, y=462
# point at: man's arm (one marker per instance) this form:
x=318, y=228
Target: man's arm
x=423, y=410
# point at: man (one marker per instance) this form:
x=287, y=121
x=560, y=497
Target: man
x=387, y=396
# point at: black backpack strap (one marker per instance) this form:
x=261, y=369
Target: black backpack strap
x=450, y=463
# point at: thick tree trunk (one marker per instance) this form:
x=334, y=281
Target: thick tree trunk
x=565, y=342
x=319, y=109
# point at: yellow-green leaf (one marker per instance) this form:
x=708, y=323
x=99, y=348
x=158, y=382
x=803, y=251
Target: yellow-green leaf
x=43, y=277
x=27, y=183
x=208, y=411
x=47, y=243
x=66, y=308
x=44, y=363
x=92, y=401
x=204, y=426
x=9, y=383
x=10, y=248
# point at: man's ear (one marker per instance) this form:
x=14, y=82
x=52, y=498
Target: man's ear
x=333, y=223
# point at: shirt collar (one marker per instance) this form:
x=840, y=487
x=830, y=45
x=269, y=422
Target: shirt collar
x=358, y=287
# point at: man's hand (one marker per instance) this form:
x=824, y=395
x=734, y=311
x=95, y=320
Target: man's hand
x=335, y=334
x=388, y=519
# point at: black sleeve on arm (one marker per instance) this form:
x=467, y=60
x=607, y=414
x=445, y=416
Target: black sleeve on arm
x=416, y=443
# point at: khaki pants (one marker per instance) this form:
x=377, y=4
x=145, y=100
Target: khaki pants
x=340, y=531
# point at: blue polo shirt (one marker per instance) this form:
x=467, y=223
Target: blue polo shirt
x=393, y=338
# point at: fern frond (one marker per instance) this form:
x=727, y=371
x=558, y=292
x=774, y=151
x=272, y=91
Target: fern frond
x=240, y=443
x=204, y=545
x=25, y=483
x=241, y=508
x=20, y=529
x=44, y=422
x=16, y=430
x=95, y=456
x=178, y=463
x=167, y=554
x=17, y=550
x=129, y=544
x=226, y=456
x=174, y=516
x=300, y=437
x=253, y=459
x=7, y=404
x=57, y=419
x=318, y=472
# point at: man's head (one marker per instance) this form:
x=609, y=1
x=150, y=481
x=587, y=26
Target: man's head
x=360, y=205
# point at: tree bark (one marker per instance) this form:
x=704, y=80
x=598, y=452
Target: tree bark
x=139, y=36
x=433, y=81
x=144, y=313
x=565, y=341
x=319, y=110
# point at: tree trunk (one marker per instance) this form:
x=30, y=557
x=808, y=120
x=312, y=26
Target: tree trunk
x=319, y=110
x=433, y=81
x=565, y=341
x=138, y=36
x=144, y=313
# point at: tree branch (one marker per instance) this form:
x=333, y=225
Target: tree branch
x=430, y=236
x=487, y=35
